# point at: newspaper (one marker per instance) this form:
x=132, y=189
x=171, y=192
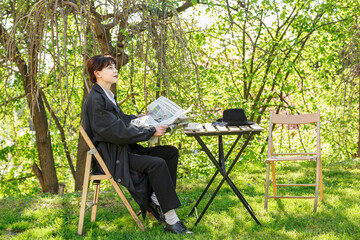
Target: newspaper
x=163, y=112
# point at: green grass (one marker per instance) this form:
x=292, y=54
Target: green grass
x=46, y=216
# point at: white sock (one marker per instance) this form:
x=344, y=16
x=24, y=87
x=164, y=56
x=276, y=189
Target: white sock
x=154, y=199
x=170, y=217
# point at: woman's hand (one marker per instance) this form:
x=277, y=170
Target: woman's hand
x=160, y=131
x=142, y=115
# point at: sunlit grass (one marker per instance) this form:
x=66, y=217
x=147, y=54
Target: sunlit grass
x=47, y=216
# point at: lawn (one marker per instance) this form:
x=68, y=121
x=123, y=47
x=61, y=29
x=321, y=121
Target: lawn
x=46, y=216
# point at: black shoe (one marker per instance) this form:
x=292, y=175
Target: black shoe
x=178, y=228
x=156, y=211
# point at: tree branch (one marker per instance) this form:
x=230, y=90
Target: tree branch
x=39, y=175
x=17, y=179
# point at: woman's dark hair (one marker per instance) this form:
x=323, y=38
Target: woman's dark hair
x=97, y=63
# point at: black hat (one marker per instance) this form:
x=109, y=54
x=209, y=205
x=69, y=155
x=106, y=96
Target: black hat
x=234, y=117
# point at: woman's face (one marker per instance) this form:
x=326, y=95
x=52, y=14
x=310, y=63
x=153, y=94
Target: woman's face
x=107, y=75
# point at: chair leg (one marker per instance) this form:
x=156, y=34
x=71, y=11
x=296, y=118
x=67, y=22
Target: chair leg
x=95, y=202
x=321, y=184
x=267, y=185
x=84, y=194
x=317, y=185
x=273, y=177
x=127, y=204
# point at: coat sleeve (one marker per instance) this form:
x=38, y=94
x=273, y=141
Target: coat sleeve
x=108, y=125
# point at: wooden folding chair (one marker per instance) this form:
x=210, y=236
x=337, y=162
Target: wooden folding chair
x=293, y=121
x=106, y=176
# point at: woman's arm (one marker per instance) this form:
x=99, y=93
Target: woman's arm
x=105, y=123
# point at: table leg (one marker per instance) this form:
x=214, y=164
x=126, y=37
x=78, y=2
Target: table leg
x=240, y=196
x=203, y=193
x=214, y=176
x=221, y=154
x=226, y=177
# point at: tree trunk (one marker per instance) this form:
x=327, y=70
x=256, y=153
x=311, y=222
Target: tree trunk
x=47, y=172
x=43, y=143
x=37, y=108
x=81, y=154
x=358, y=151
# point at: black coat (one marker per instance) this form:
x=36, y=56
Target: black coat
x=111, y=132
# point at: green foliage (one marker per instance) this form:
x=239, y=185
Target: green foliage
x=283, y=56
x=293, y=57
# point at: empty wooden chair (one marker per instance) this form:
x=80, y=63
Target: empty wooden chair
x=97, y=178
x=293, y=123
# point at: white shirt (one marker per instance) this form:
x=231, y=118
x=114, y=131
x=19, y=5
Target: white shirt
x=110, y=95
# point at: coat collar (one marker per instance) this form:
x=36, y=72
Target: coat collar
x=108, y=102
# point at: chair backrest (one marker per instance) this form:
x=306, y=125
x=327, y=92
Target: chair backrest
x=294, y=120
x=86, y=137
x=96, y=153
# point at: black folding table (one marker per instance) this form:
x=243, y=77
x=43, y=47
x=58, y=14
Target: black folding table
x=246, y=131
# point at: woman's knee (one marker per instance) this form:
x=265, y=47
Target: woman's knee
x=173, y=151
x=158, y=162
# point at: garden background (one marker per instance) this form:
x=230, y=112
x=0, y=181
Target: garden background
x=288, y=56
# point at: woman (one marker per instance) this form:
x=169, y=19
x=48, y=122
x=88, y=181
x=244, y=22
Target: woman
x=148, y=173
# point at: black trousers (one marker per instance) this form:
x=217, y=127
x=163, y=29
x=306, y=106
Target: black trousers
x=160, y=164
